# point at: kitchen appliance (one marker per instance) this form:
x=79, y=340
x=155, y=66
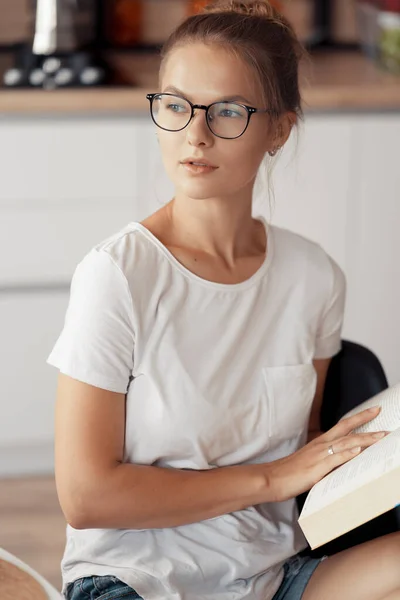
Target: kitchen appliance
x=62, y=53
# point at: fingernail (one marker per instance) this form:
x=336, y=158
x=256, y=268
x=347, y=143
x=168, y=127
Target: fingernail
x=381, y=434
x=373, y=409
x=356, y=450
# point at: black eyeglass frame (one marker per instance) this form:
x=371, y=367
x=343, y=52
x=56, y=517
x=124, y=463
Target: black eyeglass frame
x=251, y=110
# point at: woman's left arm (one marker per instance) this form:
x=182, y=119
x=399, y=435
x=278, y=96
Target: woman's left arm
x=321, y=366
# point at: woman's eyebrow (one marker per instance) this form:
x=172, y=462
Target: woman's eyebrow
x=175, y=90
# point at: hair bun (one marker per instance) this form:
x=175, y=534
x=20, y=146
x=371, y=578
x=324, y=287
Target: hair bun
x=257, y=8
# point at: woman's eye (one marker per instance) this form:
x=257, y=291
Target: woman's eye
x=228, y=113
x=175, y=107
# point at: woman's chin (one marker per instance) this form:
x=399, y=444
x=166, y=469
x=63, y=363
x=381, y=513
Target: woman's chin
x=199, y=195
x=200, y=190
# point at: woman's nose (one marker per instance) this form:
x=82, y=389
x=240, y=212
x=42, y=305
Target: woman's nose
x=197, y=130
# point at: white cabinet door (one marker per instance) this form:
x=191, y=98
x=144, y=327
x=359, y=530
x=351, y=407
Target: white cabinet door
x=373, y=240
x=66, y=185
x=47, y=158
x=29, y=324
x=310, y=183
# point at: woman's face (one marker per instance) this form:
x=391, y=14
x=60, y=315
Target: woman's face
x=206, y=74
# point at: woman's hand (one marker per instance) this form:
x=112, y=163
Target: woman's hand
x=298, y=472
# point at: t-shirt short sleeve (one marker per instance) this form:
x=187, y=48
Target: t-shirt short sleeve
x=97, y=341
x=328, y=342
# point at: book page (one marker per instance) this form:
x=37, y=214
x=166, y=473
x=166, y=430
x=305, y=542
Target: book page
x=370, y=464
x=389, y=416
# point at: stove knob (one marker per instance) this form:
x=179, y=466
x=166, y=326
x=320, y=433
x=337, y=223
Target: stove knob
x=13, y=77
x=64, y=77
x=37, y=77
x=51, y=65
x=91, y=76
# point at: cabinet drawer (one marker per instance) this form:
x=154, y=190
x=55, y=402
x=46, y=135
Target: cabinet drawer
x=69, y=158
x=45, y=242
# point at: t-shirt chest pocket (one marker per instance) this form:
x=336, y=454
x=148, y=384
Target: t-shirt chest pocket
x=290, y=392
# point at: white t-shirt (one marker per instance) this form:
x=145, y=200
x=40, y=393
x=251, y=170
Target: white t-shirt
x=215, y=374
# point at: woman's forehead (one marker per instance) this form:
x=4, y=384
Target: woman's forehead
x=207, y=74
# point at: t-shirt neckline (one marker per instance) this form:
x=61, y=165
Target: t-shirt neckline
x=213, y=284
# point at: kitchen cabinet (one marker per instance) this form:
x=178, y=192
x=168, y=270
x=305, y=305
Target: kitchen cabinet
x=343, y=191
x=69, y=182
x=29, y=322
x=372, y=239
x=311, y=180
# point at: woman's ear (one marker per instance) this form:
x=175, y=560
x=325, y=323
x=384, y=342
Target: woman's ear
x=283, y=129
x=289, y=120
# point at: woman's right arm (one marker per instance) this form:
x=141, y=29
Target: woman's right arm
x=97, y=490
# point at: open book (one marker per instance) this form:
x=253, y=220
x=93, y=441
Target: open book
x=363, y=488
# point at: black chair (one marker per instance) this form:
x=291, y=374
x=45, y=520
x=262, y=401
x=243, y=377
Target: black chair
x=354, y=375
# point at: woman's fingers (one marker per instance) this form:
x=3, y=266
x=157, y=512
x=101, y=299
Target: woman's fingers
x=298, y=472
x=352, y=442
x=345, y=426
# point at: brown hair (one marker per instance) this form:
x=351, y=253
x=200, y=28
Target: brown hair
x=258, y=34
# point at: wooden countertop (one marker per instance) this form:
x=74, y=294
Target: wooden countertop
x=337, y=81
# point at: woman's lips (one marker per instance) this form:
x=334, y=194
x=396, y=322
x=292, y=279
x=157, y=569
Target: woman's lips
x=198, y=169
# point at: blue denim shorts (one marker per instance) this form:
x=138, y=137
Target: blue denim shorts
x=297, y=573
x=95, y=588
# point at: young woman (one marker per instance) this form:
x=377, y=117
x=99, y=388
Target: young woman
x=194, y=354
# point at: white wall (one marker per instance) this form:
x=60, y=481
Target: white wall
x=68, y=183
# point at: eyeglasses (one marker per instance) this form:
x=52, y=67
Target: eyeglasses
x=226, y=120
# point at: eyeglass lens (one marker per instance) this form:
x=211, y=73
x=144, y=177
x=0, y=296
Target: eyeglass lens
x=225, y=119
